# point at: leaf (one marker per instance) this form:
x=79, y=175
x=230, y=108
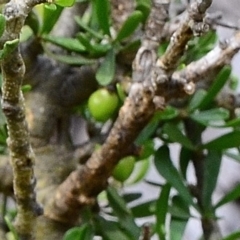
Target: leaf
x=211, y=116
x=65, y=3
x=217, y=85
x=111, y=230
x=167, y=114
x=125, y=217
x=8, y=48
x=212, y=164
x=130, y=197
x=11, y=227
x=233, y=236
x=32, y=21
x=228, y=197
x=161, y=211
x=177, y=228
x=144, y=6
x=76, y=60
x=130, y=25
x=196, y=99
x=144, y=209
x=106, y=71
x=88, y=29
x=165, y=167
x=179, y=209
x=103, y=15
x=185, y=158
x=94, y=49
x=70, y=44
x=2, y=24
x=50, y=18
x=85, y=232
x=229, y=140
x=175, y=135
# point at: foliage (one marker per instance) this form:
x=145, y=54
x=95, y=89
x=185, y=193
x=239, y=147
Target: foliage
x=185, y=125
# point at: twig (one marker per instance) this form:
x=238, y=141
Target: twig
x=22, y=157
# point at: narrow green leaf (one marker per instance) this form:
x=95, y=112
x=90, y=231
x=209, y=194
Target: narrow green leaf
x=103, y=15
x=228, y=197
x=85, y=232
x=111, y=230
x=212, y=164
x=144, y=6
x=70, y=44
x=130, y=25
x=179, y=209
x=11, y=227
x=210, y=117
x=8, y=47
x=229, y=140
x=233, y=236
x=234, y=156
x=197, y=99
x=32, y=21
x=217, y=85
x=185, y=158
x=177, y=228
x=88, y=29
x=161, y=211
x=50, y=18
x=144, y=209
x=125, y=217
x=175, y=135
x=106, y=71
x=65, y=3
x=2, y=24
x=166, y=168
x=129, y=197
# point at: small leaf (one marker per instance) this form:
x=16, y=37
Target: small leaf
x=75, y=60
x=50, y=17
x=26, y=88
x=103, y=15
x=70, y=44
x=88, y=29
x=217, y=85
x=2, y=24
x=65, y=3
x=130, y=197
x=175, y=135
x=125, y=217
x=185, y=158
x=229, y=197
x=212, y=164
x=11, y=227
x=167, y=114
x=233, y=236
x=179, y=209
x=85, y=232
x=166, y=168
x=197, y=99
x=144, y=209
x=130, y=25
x=8, y=47
x=229, y=140
x=161, y=211
x=106, y=71
x=210, y=117
x=111, y=230
x=177, y=228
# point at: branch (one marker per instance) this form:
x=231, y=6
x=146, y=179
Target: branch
x=22, y=157
x=84, y=184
